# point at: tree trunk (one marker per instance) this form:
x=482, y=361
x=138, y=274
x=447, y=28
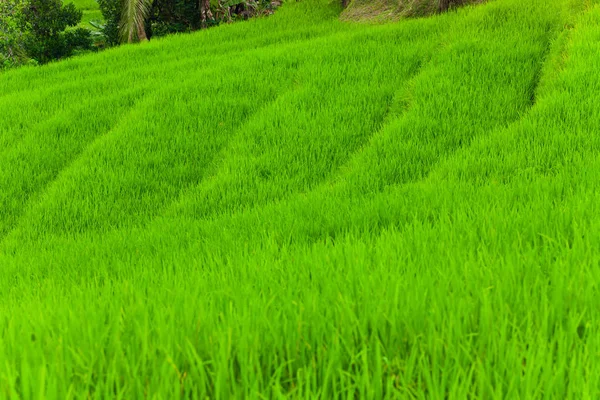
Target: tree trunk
x=205, y=13
x=444, y=5
x=141, y=31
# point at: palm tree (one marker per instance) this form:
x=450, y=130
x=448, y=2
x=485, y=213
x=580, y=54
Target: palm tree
x=133, y=19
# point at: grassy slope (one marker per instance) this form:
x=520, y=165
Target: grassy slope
x=314, y=208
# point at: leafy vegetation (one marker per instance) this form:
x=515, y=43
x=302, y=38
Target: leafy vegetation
x=11, y=37
x=36, y=31
x=144, y=19
x=306, y=207
x=39, y=31
x=90, y=10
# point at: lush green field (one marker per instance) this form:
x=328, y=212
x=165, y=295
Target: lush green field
x=296, y=206
x=90, y=9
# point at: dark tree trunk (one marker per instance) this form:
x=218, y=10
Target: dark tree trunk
x=141, y=31
x=205, y=13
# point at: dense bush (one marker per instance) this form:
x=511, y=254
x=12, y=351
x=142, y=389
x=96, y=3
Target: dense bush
x=39, y=31
x=169, y=16
x=11, y=37
x=45, y=23
x=111, y=11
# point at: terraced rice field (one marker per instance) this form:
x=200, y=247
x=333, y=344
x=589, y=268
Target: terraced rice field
x=300, y=207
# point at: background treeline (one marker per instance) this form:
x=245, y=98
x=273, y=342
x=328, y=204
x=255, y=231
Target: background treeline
x=39, y=31
x=131, y=20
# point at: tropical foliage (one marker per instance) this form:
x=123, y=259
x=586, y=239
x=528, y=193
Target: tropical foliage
x=131, y=20
x=37, y=30
x=12, y=51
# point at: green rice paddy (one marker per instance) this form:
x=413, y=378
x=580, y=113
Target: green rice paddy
x=300, y=207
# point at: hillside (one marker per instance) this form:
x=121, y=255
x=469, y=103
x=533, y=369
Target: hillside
x=299, y=206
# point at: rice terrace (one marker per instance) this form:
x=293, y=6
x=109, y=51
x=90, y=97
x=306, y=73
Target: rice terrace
x=307, y=199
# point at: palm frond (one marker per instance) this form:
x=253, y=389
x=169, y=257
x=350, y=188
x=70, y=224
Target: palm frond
x=133, y=19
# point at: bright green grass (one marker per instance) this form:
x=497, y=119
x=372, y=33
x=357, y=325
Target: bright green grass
x=90, y=9
x=295, y=206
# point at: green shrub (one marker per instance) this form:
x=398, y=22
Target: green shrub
x=44, y=23
x=111, y=11
x=39, y=30
x=11, y=37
